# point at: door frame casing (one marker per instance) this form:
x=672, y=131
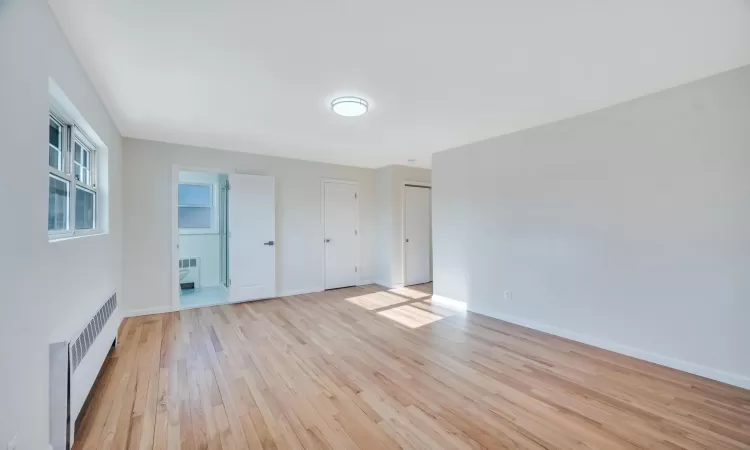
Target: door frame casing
x=357, y=254
x=426, y=184
x=175, y=270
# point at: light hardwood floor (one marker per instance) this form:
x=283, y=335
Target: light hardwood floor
x=368, y=368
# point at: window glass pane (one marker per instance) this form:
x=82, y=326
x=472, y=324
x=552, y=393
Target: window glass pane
x=194, y=195
x=82, y=174
x=55, y=144
x=82, y=164
x=85, y=208
x=194, y=217
x=57, y=214
x=54, y=133
x=54, y=157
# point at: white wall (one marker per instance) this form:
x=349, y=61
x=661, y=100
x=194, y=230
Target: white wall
x=384, y=210
x=206, y=247
x=389, y=258
x=204, y=244
x=628, y=228
x=299, y=230
x=45, y=286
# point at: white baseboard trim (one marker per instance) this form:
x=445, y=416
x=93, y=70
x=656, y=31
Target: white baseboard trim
x=148, y=311
x=314, y=290
x=662, y=360
x=292, y=292
x=450, y=303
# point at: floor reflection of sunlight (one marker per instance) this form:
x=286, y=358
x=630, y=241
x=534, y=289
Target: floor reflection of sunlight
x=410, y=293
x=407, y=306
x=435, y=309
x=376, y=300
x=410, y=316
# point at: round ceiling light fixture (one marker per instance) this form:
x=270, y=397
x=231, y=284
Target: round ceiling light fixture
x=349, y=106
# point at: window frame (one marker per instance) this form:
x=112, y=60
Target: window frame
x=214, y=228
x=70, y=135
x=61, y=149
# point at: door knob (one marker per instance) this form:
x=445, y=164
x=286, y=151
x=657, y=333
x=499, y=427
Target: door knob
x=407, y=240
x=327, y=241
x=268, y=243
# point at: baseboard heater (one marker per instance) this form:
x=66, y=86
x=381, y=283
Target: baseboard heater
x=75, y=362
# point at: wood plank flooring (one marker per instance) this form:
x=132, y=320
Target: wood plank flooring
x=374, y=369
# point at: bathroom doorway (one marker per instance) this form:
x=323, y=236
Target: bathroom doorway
x=203, y=238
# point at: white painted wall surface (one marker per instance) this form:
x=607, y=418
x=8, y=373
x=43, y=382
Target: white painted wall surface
x=628, y=228
x=384, y=225
x=390, y=182
x=299, y=230
x=46, y=286
x=204, y=244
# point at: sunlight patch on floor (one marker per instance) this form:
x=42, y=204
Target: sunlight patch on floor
x=410, y=293
x=436, y=309
x=376, y=300
x=410, y=316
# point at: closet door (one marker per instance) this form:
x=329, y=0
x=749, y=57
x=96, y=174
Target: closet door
x=252, y=246
x=417, y=235
x=340, y=205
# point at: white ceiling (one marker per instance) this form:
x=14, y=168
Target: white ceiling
x=258, y=76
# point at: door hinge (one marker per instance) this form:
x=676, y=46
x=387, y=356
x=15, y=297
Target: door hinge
x=229, y=283
x=356, y=268
x=356, y=233
x=355, y=195
x=229, y=186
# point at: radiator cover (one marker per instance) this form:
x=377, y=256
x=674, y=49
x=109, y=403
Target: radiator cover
x=75, y=363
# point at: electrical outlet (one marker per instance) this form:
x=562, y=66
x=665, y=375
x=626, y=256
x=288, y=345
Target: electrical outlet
x=13, y=443
x=508, y=295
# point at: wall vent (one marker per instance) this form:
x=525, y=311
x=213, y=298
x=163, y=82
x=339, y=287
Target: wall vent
x=188, y=262
x=87, y=337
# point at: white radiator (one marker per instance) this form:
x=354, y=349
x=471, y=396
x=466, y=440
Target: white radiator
x=190, y=271
x=75, y=363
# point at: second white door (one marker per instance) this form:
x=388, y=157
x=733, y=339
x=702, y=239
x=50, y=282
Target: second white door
x=252, y=246
x=417, y=235
x=341, y=243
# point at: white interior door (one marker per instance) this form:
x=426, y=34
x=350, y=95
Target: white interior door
x=252, y=246
x=340, y=206
x=417, y=235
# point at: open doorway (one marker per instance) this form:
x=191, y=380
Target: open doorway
x=203, y=238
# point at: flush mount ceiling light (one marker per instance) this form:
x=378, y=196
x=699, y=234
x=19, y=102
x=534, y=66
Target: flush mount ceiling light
x=349, y=106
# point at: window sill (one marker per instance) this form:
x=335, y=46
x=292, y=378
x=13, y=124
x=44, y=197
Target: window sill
x=71, y=237
x=193, y=232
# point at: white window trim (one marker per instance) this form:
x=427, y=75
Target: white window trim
x=214, y=229
x=70, y=134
